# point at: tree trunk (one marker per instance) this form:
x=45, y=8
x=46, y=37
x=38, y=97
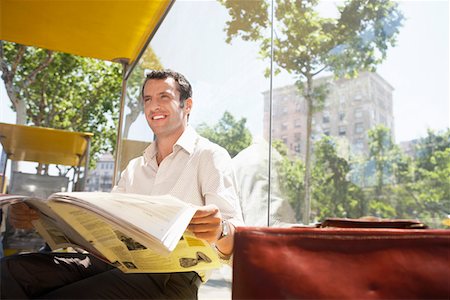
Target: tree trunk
x=13, y=91
x=309, y=112
x=21, y=112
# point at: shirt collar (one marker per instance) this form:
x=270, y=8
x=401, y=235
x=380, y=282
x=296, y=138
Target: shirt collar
x=186, y=141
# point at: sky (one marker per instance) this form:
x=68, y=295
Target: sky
x=417, y=68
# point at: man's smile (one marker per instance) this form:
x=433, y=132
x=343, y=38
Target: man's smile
x=158, y=117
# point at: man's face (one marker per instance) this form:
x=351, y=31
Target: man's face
x=162, y=107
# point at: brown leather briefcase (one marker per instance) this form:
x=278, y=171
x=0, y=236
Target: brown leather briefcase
x=342, y=263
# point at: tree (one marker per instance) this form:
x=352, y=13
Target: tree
x=380, y=145
x=428, y=146
x=291, y=172
x=430, y=187
x=18, y=76
x=307, y=45
x=228, y=133
x=432, y=191
x=391, y=169
x=331, y=186
x=63, y=91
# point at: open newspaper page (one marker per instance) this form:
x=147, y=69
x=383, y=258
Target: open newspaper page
x=130, y=255
x=56, y=232
x=158, y=222
x=7, y=199
x=129, y=231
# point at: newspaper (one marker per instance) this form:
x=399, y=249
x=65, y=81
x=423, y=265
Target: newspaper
x=136, y=233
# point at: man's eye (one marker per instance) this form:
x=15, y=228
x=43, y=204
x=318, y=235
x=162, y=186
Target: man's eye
x=147, y=99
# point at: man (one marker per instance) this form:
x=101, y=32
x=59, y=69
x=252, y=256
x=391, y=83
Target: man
x=180, y=163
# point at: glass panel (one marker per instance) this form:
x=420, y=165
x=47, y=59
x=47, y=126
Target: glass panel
x=374, y=109
x=228, y=83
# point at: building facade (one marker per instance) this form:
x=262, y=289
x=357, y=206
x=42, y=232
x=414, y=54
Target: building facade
x=100, y=179
x=352, y=107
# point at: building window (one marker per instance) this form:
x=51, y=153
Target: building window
x=359, y=145
x=326, y=131
x=359, y=127
x=341, y=116
x=358, y=113
x=297, y=148
x=297, y=123
x=284, y=126
x=342, y=130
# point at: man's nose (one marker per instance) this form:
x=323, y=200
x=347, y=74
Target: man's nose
x=154, y=105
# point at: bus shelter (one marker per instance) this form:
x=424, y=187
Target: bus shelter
x=112, y=31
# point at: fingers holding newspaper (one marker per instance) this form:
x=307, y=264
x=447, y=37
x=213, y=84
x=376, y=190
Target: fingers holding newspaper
x=207, y=224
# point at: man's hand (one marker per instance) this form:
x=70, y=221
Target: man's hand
x=21, y=215
x=206, y=223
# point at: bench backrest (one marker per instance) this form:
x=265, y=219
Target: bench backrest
x=341, y=263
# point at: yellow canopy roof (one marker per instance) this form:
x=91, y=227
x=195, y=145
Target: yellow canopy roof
x=104, y=29
x=44, y=145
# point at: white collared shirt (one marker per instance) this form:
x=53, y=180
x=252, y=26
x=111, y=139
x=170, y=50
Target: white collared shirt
x=197, y=171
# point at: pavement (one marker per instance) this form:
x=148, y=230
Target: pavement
x=218, y=287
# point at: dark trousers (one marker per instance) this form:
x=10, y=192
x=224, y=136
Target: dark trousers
x=82, y=276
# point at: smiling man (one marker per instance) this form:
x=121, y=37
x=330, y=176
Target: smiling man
x=182, y=163
x=179, y=162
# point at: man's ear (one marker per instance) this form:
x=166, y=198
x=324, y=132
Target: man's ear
x=188, y=105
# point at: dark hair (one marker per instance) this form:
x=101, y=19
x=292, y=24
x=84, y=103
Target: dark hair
x=184, y=87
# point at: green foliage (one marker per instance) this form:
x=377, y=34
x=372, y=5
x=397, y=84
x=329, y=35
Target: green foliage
x=410, y=187
x=247, y=19
x=306, y=43
x=432, y=143
x=409, y=190
x=380, y=145
x=362, y=35
x=291, y=172
x=66, y=92
x=430, y=190
x=332, y=191
x=228, y=133
x=391, y=167
x=434, y=185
